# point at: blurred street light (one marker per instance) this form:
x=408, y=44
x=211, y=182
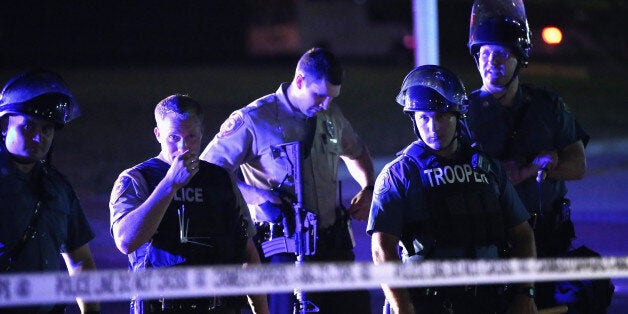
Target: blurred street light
x=552, y=35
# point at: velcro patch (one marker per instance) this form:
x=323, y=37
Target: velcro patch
x=231, y=125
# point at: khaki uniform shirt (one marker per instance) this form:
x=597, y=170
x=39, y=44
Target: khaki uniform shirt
x=248, y=141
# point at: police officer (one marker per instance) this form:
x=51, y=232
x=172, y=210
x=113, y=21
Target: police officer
x=437, y=204
x=175, y=210
x=300, y=111
x=40, y=214
x=529, y=129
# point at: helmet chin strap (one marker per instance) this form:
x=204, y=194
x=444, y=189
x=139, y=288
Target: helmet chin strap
x=510, y=81
x=513, y=76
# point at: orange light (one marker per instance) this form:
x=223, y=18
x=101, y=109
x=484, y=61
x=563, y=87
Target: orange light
x=552, y=35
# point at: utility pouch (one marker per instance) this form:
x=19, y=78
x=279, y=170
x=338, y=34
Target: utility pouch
x=562, y=209
x=344, y=234
x=555, y=231
x=340, y=234
x=563, y=226
x=480, y=164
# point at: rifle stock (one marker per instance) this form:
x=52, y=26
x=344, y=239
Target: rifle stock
x=299, y=225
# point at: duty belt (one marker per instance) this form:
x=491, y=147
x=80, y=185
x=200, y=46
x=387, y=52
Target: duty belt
x=470, y=290
x=205, y=305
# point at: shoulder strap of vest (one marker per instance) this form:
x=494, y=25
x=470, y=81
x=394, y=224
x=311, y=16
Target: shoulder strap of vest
x=153, y=171
x=416, y=152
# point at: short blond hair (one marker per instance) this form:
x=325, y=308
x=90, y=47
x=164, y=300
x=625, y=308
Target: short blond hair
x=181, y=105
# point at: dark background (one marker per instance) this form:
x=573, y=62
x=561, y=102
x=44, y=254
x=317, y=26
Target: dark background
x=211, y=32
x=120, y=58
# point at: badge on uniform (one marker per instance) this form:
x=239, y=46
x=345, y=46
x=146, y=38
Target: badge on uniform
x=231, y=125
x=382, y=184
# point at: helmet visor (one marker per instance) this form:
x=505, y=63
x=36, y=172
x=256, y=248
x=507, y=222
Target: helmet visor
x=485, y=13
x=420, y=98
x=54, y=107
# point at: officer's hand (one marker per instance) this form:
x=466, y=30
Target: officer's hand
x=361, y=205
x=182, y=169
x=268, y=196
x=269, y=203
x=546, y=160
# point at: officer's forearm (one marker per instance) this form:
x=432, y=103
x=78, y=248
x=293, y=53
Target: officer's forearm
x=253, y=195
x=572, y=163
x=361, y=168
x=384, y=249
x=257, y=302
x=522, y=239
x=138, y=226
x=77, y=261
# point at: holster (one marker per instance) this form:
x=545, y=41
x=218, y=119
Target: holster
x=340, y=234
x=555, y=230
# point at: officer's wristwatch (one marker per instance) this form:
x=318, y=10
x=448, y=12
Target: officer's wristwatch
x=529, y=291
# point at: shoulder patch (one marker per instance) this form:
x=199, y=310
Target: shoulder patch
x=382, y=184
x=120, y=187
x=231, y=125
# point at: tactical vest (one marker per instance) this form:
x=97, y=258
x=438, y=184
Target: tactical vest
x=463, y=205
x=205, y=211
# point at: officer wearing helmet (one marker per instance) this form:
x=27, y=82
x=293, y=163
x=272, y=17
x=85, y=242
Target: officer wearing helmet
x=435, y=203
x=40, y=214
x=529, y=129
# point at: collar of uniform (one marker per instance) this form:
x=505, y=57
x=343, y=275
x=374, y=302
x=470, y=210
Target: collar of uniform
x=282, y=95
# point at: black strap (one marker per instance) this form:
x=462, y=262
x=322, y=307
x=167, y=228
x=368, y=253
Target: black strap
x=309, y=137
x=31, y=230
x=29, y=233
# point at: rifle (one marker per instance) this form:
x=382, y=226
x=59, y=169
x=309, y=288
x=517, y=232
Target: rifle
x=299, y=224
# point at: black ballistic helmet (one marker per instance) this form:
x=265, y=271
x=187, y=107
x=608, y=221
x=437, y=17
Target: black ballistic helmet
x=500, y=22
x=432, y=88
x=41, y=94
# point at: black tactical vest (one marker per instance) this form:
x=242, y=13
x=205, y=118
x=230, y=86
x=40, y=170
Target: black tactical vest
x=463, y=205
x=207, y=209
